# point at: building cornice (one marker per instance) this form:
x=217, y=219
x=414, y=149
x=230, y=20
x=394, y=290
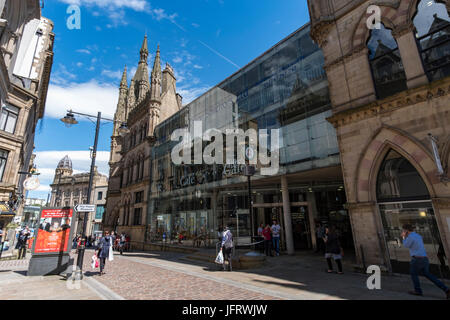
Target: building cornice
x=406, y=98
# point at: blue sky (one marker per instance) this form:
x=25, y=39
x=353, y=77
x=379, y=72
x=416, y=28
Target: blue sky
x=204, y=40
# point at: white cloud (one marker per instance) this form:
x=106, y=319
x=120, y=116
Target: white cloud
x=189, y=94
x=114, y=9
x=83, y=97
x=46, y=162
x=112, y=74
x=84, y=51
x=137, y=5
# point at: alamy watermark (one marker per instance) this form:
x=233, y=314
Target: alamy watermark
x=252, y=147
x=374, y=280
x=374, y=19
x=74, y=19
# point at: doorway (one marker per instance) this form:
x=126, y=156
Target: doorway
x=403, y=198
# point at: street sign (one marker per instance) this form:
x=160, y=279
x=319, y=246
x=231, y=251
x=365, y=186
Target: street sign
x=85, y=208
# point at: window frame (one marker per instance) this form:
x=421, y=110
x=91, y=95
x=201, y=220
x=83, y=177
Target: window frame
x=3, y=157
x=8, y=113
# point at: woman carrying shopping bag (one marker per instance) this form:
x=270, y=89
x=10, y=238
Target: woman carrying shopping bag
x=105, y=251
x=227, y=248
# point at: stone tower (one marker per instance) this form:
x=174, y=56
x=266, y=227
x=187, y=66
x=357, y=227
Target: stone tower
x=64, y=168
x=148, y=100
x=155, y=96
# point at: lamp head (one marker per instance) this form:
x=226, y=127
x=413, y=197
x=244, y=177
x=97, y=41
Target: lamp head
x=69, y=119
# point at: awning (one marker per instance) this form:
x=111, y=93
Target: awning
x=5, y=211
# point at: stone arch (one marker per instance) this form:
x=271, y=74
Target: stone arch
x=370, y=161
x=361, y=33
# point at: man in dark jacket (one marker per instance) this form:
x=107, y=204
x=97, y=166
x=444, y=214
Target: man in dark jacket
x=22, y=243
x=333, y=249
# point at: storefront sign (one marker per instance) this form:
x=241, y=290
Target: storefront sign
x=53, y=235
x=209, y=175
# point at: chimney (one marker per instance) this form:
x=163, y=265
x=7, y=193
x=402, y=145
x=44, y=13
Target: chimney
x=168, y=78
x=180, y=101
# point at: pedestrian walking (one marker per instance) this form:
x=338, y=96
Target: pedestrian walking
x=103, y=250
x=333, y=249
x=320, y=234
x=267, y=234
x=419, y=261
x=276, y=230
x=227, y=248
x=122, y=243
x=22, y=242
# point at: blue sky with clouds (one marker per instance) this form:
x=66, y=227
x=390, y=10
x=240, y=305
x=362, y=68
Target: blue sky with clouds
x=204, y=40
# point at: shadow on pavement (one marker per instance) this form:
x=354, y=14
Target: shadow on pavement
x=309, y=271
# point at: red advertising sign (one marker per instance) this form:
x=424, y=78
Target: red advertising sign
x=54, y=231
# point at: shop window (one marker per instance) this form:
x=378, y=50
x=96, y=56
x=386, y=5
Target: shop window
x=386, y=63
x=398, y=180
x=432, y=23
x=9, y=118
x=3, y=160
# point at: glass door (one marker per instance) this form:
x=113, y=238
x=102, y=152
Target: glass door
x=420, y=215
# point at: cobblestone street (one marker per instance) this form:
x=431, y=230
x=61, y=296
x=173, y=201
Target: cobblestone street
x=167, y=276
x=170, y=276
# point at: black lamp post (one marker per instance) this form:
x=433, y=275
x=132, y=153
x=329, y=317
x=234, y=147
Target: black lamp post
x=70, y=120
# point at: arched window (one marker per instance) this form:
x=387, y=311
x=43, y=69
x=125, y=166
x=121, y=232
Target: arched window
x=398, y=180
x=403, y=198
x=386, y=63
x=432, y=24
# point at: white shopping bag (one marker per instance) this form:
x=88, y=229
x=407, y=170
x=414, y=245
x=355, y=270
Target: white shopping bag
x=111, y=253
x=219, y=259
x=94, y=262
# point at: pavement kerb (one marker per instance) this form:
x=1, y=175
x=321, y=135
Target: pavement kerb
x=100, y=289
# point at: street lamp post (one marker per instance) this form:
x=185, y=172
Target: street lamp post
x=69, y=120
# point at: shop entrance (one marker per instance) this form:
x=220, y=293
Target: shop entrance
x=403, y=198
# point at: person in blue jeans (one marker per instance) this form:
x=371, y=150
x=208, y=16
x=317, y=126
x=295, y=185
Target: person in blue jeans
x=276, y=230
x=419, y=261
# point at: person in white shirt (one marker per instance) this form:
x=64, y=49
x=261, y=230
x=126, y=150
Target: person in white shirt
x=227, y=247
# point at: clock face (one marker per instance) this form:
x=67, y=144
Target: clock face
x=31, y=183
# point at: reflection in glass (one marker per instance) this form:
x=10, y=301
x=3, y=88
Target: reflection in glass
x=433, y=33
x=398, y=179
x=386, y=63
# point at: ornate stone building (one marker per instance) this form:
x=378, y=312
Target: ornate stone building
x=142, y=105
x=26, y=42
x=390, y=92
x=70, y=189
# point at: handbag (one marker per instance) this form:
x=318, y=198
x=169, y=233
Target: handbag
x=95, y=262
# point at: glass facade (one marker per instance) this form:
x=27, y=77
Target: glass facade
x=287, y=89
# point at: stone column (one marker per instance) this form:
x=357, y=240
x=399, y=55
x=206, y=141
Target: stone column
x=312, y=214
x=441, y=208
x=287, y=216
x=412, y=62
